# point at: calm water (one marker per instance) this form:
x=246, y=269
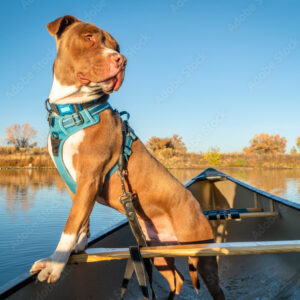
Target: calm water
x=34, y=207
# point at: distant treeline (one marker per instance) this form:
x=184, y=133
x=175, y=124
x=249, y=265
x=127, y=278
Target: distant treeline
x=195, y=160
x=172, y=153
x=264, y=151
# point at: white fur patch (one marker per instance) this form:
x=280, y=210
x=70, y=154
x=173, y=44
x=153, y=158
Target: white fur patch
x=63, y=94
x=66, y=243
x=59, y=91
x=108, y=51
x=81, y=242
x=50, y=268
x=70, y=148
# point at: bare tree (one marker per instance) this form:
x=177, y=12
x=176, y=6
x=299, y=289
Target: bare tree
x=266, y=144
x=175, y=143
x=21, y=136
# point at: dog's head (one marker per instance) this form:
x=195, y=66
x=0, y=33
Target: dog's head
x=86, y=55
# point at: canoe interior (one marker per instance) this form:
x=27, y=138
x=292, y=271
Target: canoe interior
x=267, y=276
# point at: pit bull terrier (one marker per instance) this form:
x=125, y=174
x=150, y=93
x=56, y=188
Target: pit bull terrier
x=88, y=66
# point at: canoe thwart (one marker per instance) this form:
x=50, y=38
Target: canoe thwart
x=212, y=249
x=237, y=213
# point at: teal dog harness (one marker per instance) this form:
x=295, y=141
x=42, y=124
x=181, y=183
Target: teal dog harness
x=65, y=120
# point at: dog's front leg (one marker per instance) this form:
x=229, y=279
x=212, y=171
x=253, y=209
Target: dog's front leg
x=50, y=268
x=83, y=237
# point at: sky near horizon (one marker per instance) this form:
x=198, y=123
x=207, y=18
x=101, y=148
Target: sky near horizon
x=215, y=72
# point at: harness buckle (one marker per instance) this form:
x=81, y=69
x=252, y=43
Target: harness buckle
x=80, y=121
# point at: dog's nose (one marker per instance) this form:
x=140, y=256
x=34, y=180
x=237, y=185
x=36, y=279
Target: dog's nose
x=118, y=60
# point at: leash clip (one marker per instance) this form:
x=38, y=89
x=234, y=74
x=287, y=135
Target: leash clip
x=47, y=106
x=77, y=123
x=122, y=113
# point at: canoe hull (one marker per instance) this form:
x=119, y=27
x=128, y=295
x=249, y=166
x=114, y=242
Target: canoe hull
x=265, y=276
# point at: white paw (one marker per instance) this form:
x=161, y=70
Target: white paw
x=49, y=269
x=81, y=242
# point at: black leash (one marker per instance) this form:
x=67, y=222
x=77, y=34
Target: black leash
x=136, y=264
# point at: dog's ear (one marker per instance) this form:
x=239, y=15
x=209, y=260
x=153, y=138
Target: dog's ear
x=57, y=27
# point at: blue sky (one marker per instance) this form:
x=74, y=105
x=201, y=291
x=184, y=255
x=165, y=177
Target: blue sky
x=215, y=72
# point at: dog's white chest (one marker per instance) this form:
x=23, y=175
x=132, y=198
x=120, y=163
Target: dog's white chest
x=70, y=148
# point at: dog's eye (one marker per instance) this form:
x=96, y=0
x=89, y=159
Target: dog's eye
x=88, y=36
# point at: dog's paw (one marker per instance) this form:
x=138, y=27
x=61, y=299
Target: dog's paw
x=82, y=242
x=49, y=269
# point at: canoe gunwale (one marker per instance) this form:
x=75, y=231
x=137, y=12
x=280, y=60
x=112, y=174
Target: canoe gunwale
x=22, y=280
x=211, y=172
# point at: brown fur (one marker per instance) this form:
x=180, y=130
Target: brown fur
x=81, y=48
x=168, y=213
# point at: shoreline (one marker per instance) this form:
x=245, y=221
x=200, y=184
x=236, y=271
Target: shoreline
x=40, y=159
x=169, y=168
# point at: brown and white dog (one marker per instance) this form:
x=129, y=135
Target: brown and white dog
x=89, y=64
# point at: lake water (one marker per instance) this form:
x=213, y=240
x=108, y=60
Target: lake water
x=34, y=206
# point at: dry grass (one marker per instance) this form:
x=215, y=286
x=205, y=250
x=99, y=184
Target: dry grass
x=194, y=160
x=32, y=158
x=39, y=158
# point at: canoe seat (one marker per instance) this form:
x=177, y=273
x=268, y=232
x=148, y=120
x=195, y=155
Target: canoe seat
x=237, y=213
x=234, y=248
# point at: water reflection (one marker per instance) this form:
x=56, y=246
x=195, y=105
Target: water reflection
x=34, y=206
x=21, y=186
x=281, y=182
x=284, y=182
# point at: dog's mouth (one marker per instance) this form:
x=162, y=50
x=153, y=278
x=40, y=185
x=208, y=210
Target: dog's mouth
x=107, y=85
x=113, y=83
